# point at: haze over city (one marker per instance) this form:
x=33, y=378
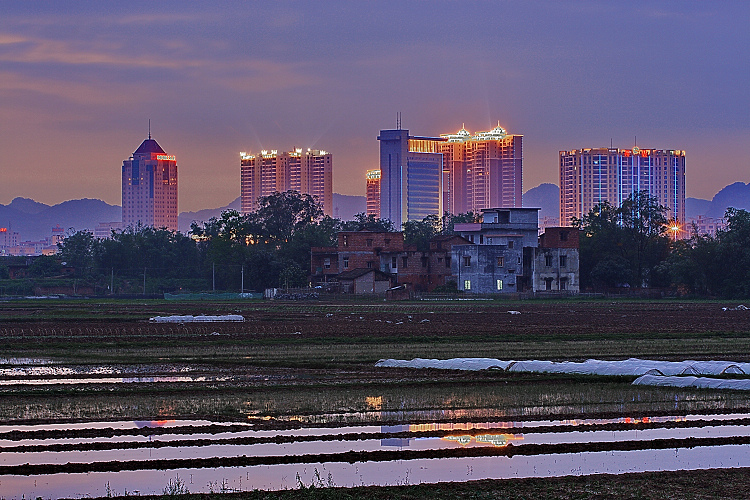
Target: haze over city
x=80, y=81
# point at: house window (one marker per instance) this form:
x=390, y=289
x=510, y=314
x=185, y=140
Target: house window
x=548, y=260
x=563, y=260
x=346, y=240
x=467, y=260
x=548, y=283
x=500, y=262
x=563, y=283
x=481, y=239
x=369, y=264
x=510, y=244
x=467, y=284
x=327, y=263
x=404, y=262
x=346, y=262
x=393, y=263
x=563, y=236
x=448, y=262
x=369, y=242
x=499, y=284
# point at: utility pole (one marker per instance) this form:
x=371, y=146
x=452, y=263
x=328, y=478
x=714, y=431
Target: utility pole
x=213, y=276
x=242, y=287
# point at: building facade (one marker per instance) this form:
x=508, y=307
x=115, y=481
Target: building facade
x=483, y=170
x=556, y=263
x=373, y=192
x=307, y=172
x=455, y=173
x=411, y=176
x=149, y=187
x=591, y=176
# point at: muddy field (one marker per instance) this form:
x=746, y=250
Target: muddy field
x=74, y=374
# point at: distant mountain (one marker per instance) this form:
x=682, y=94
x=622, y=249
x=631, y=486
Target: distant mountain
x=696, y=206
x=185, y=219
x=735, y=195
x=345, y=207
x=545, y=196
x=34, y=221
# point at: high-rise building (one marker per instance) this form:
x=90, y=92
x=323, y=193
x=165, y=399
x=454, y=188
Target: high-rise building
x=411, y=176
x=149, y=187
x=373, y=192
x=307, y=172
x=595, y=175
x=483, y=170
x=453, y=173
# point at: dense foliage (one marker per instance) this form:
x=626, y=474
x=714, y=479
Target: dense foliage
x=626, y=246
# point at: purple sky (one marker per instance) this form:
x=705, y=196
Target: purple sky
x=80, y=80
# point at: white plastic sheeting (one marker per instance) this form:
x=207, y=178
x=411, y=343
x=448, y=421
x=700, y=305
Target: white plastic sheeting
x=697, y=382
x=629, y=367
x=196, y=319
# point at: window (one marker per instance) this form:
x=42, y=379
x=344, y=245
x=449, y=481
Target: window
x=563, y=236
x=467, y=284
x=369, y=242
x=369, y=264
x=327, y=263
x=510, y=244
x=499, y=284
x=404, y=262
x=448, y=262
x=393, y=263
x=563, y=260
x=481, y=239
x=548, y=283
x=563, y=283
x=346, y=262
x=467, y=260
x=424, y=261
x=346, y=240
x=500, y=262
x=548, y=260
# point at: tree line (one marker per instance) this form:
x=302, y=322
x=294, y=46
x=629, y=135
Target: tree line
x=628, y=246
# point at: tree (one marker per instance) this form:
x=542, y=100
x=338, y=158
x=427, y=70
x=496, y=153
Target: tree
x=625, y=245
x=363, y=222
x=419, y=233
x=76, y=250
x=449, y=221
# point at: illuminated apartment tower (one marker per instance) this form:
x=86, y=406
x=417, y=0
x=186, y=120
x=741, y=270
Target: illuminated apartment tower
x=149, y=187
x=484, y=170
x=591, y=176
x=411, y=176
x=307, y=172
x=373, y=192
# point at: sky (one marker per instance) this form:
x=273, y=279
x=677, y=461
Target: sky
x=79, y=82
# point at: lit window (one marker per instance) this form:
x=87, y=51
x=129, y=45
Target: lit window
x=467, y=284
x=499, y=284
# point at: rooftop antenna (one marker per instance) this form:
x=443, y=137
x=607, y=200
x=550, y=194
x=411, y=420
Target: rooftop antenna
x=610, y=143
x=635, y=140
x=149, y=128
x=398, y=120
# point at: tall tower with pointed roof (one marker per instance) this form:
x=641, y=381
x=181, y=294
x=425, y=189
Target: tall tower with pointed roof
x=149, y=187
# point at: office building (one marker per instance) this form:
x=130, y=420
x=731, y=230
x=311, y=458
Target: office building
x=149, y=187
x=591, y=176
x=483, y=170
x=411, y=176
x=373, y=192
x=307, y=172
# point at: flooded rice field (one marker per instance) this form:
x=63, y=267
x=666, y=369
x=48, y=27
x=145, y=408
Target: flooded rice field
x=95, y=400
x=96, y=458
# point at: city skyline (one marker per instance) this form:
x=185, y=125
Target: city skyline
x=246, y=77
